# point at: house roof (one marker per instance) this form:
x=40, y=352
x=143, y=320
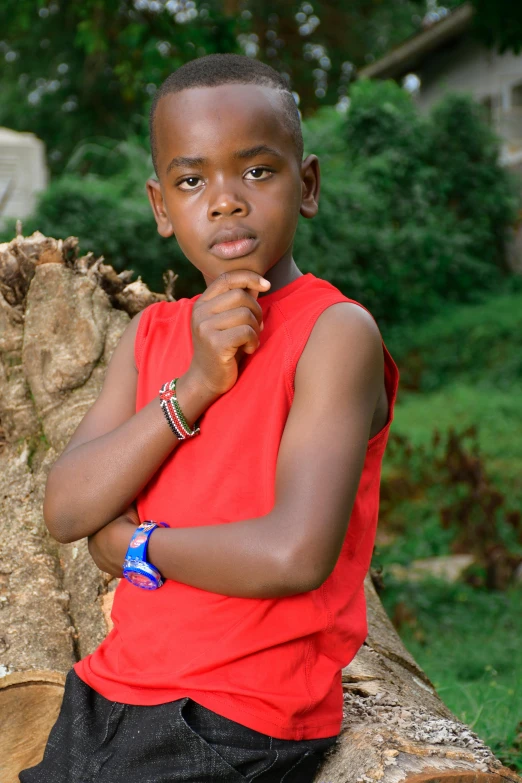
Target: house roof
x=411, y=53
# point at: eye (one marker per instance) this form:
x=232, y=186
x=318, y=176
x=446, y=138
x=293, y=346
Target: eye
x=189, y=183
x=260, y=172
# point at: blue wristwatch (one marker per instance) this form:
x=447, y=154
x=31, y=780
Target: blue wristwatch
x=135, y=566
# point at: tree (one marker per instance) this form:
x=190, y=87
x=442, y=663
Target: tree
x=499, y=24
x=76, y=70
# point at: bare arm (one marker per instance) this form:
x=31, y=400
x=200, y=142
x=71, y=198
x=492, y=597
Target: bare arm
x=295, y=547
x=115, y=452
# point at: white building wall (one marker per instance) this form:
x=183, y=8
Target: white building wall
x=23, y=173
x=490, y=77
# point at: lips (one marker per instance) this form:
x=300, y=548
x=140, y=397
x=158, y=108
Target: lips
x=231, y=235
x=233, y=243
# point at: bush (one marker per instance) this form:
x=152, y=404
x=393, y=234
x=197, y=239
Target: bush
x=108, y=210
x=413, y=209
x=467, y=642
x=442, y=498
x=476, y=344
x=120, y=228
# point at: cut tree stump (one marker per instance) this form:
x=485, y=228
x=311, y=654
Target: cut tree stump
x=61, y=316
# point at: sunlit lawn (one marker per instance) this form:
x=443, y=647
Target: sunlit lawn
x=497, y=414
x=467, y=640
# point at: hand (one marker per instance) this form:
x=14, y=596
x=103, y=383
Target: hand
x=226, y=321
x=109, y=545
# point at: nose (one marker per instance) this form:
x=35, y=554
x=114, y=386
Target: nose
x=226, y=201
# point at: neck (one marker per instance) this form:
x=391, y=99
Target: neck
x=282, y=273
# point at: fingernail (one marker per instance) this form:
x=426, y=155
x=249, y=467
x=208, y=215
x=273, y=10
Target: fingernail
x=265, y=282
x=262, y=325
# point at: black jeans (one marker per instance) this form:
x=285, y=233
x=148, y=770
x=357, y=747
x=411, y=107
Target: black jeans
x=99, y=741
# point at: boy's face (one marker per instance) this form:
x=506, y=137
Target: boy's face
x=230, y=185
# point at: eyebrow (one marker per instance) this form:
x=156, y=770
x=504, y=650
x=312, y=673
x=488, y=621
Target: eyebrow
x=181, y=161
x=252, y=152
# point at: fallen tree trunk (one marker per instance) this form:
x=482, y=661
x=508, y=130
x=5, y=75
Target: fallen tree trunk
x=60, y=318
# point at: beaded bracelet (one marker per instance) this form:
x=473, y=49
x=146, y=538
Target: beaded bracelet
x=173, y=413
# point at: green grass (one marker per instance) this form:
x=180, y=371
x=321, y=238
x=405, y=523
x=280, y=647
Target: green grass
x=475, y=344
x=468, y=643
x=496, y=413
x=460, y=369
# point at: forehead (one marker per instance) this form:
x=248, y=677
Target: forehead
x=205, y=121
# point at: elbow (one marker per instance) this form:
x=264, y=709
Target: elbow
x=313, y=581
x=60, y=527
x=63, y=537
x=301, y=575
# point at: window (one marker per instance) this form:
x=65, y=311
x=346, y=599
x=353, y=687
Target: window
x=491, y=105
x=516, y=95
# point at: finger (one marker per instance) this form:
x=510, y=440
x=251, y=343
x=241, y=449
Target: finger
x=253, y=282
x=228, y=319
x=244, y=336
x=235, y=299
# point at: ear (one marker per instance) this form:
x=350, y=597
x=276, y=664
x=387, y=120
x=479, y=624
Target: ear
x=158, y=208
x=311, y=182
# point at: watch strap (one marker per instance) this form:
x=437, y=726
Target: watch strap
x=136, y=557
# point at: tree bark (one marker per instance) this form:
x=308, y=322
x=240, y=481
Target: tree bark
x=60, y=319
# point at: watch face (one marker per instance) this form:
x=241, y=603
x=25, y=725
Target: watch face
x=141, y=580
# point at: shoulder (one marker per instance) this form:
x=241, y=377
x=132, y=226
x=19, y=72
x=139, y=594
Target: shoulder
x=350, y=315
x=160, y=311
x=346, y=325
x=144, y=326
x=345, y=342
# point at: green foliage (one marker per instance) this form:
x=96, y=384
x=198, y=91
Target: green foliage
x=472, y=345
x=129, y=161
x=499, y=24
x=110, y=222
x=398, y=228
x=459, y=493
x=475, y=187
x=382, y=118
x=76, y=70
x=446, y=491
x=467, y=642
x=497, y=414
x=441, y=497
x=413, y=209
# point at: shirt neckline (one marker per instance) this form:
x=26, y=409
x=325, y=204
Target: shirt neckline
x=289, y=288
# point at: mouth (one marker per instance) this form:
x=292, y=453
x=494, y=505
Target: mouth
x=233, y=244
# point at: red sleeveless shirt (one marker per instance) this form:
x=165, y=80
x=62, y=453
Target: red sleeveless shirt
x=273, y=665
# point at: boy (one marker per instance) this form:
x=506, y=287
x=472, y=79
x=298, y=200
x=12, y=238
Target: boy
x=229, y=667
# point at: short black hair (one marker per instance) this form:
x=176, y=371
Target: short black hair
x=213, y=70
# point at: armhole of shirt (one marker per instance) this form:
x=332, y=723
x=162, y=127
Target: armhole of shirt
x=142, y=332
x=391, y=382
x=158, y=311
x=391, y=371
